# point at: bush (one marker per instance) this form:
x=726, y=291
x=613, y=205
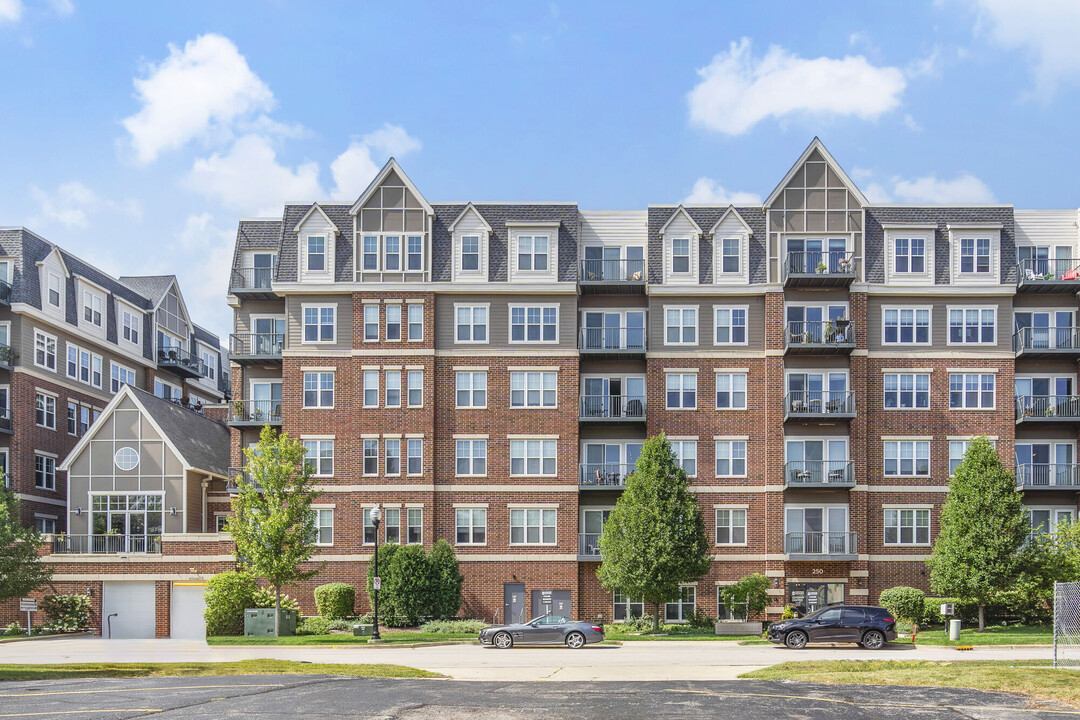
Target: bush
x=750, y=593
x=13, y=629
x=639, y=624
x=386, y=597
x=701, y=620
x=313, y=625
x=410, y=583
x=788, y=614
x=932, y=610
x=264, y=598
x=446, y=591
x=453, y=626
x=335, y=600
x=66, y=612
x=905, y=603
x=228, y=594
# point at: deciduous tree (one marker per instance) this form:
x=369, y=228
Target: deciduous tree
x=21, y=569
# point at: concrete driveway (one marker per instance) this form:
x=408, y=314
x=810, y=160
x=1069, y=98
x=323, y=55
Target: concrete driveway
x=632, y=661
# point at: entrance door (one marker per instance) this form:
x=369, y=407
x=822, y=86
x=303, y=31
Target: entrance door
x=514, y=602
x=551, y=602
x=269, y=334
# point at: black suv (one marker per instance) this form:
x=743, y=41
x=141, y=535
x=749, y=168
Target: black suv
x=870, y=627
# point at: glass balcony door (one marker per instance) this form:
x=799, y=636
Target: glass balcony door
x=266, y=400
x=269, y=335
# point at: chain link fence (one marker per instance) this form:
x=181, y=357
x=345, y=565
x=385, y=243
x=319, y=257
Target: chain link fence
x=1067, y=624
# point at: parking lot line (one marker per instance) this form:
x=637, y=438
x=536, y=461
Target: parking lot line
x=83, y=712
x=128, y=690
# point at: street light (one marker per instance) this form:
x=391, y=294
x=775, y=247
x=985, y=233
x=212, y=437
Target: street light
x=376, y=517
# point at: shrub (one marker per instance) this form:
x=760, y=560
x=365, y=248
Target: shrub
x=905, y=603
x=701, y=620
x=66, y=612
x=313, y=625
x=788, y=614
x=264, y=598
x=751, y=593
x=453, y=626
x=409, y=583
x=228, y=594
x=932, y=610
x=644, y=623
x=446, y=591
x=342, y=624
x=13, y=629
x=335, y=600
x=386, y=597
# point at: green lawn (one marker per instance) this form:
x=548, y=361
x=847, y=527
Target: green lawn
x=1031, y=677
x=391, y=638
x=993, y=635
x=670, y=632
x=242, y=667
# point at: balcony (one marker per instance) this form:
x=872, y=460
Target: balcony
x=1046, y=342
x=182, y=362
x=828, y=269
x=825, y=405
x=231, y=486
x=612, y=408
x=252, y=283
x=819, y=337
x=1047, y=408
x=821, y=546
x=255, y=413
x=253, y=348
x=195, y=407
x=1048, y=276
x=612, y=277
x=612, y=342
x=7, y=357
x=604, y=476
x=588, y=547
x=1048, y=476
x=106, y=545
x=5, y=292
x=819, y=474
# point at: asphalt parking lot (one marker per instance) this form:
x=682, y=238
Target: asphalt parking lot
x=319, y=696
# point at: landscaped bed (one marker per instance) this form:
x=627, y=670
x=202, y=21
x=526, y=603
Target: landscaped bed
x=1029, y=677
x=389, y=637
x=242, y=667
x=993, y=635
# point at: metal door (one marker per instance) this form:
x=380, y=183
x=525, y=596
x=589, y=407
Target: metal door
x=514, y=602
x=551, y=602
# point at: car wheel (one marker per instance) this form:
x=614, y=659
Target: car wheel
x=503, y=641
x=873, y=640
x=796, y=640
x=575, y=640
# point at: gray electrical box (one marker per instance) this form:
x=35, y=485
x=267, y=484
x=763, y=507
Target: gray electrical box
x=259, y=622
x=948, y=609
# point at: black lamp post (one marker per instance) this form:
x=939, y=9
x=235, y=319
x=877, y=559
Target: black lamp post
x=376, y=518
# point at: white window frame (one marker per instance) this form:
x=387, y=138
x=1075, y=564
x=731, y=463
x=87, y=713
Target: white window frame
x=964, y=375
x=307, y=254
x=93, y=360
x=914, y=327
x=526, y=390
x=898, y=526
x=893, y=448
x=46, y=339
x=719, y=246
x=49, y=461
x=51, y=276
x=900, y=391
x=471, y=390
x=44, y=400
x=472, y=324
x=394, y=309
x=679, y=446
x=731, y=326
x=682, y=390
x=929, y=239
x=964, y=309
x=321, y=515
x=465, y=449
x=365, y=444
x=410, y=523
x=131, y=326
x=682, y=310
x=551, y=236
x=94, y=301
x=479, y=269
x=370, y=380
x=414, y=450
x=542, y=307
x=733, y=513
x=544, y=514
x=210, y=362
x=392, y=382
x=318, y=308
x=317, y=445
x=387, y=455
x=730, y=446
x=418, y=336
x=734, y=378
x=682, y=604
x=318, y=377
x=414, y=384
x=472, y=514
x=689, y=271
x=520, y=448
x=371, y=326
x=974, y=277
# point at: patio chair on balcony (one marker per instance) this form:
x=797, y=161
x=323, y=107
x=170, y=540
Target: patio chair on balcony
x=802, y=476
x=635, y=408
x=636, y=276
x=799, y=406
x=836, y=476
x=1030, y=275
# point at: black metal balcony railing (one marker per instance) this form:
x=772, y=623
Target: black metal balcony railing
x=604, y=475
x=263, y=345
x=106, y=544
x=823, y=473
x=822, y=262
x=822, y=334
x=613, y=407
x=195, y=407
x=5, y=420
x=612, y=339
x=7, y=356
x=1048, y=475
x=613, y=271
x=589, y=545
x=1035, y=272
x=821, y=543
x=1047, y=340
x=179, y=359
x=251, y=279
x=1043, y=408
x=820, y=403
x=5, y=292
x=255, y=412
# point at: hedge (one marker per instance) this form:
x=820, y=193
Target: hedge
x=335, y=600
x=66, y=612
x=228, y=594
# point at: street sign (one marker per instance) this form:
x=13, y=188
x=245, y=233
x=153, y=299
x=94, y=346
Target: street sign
x=376, y=582
x=948, y=609
x=27, y=605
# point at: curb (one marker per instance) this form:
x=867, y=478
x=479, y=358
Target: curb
x=351, y=646
x=61, y=636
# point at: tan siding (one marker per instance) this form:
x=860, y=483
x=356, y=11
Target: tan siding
x=343, y=316
x=755, y=321
x=939, y=322
x=499, y=321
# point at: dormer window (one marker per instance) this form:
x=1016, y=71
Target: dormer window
x=316, y=253
x=392, y=253
x=92, y=307
x=909, y=255
x=680, y=255
x=729, y=258
x=975, y=255
x=470, y=253
x=533, y=253
x=55, y=289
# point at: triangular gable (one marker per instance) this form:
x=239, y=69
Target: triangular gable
x=391, y=166
x=59, y=256
x=680, y=211
x=816, y=151
x=470, y=208
x=312, y=210
x=731, y=211
x=180, y=297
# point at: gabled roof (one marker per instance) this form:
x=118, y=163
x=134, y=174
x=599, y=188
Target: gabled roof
x=315, y=207
x=469, y=208
x=390, y=166
x=152, y=287
x=59, y=256
x=200, y=443
x=680, y=211
x=816, y=145
x=731, y=211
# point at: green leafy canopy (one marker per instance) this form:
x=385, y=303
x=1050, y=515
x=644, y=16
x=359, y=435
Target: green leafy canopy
x=21, y=569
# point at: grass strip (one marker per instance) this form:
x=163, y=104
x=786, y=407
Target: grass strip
x=389, y=638
x=200, y=669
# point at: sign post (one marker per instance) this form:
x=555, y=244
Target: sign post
x=28, y=605
x=376, y=583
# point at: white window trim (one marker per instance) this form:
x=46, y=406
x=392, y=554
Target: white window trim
x=526, y=373
x=697, y=387
x=746, y=393
x=526, y=439
x=328, y=237
x=746, y=525
x=894, y=371
x=956, y=235
x=471, y=526
x=122, y=308
x=56, y=351
x=909, y=278
x=898, y=308
x=973, y=371
x=746, y=457
x=727, y=278
x=471, y=457
x=697, y=455
x=551, y=232
x=915, y=507
x=82, y=289
x=406, y=325
x=670, y=276
x=318, y=526
x=405, y=390
x=487, y=325
x=697, y=325
x=510, y=323
x=304, y=307
x=716, y=312
x=333, y=453
x=470, y=391
x=914, y=460
x=525, y=509
x=980, y=308
x=318, y=391
x=481, y=273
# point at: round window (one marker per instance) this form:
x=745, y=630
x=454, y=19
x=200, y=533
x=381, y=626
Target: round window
x=126, y=458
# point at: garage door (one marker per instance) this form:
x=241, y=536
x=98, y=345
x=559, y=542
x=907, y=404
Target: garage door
x=132, y=605
x=186, y=614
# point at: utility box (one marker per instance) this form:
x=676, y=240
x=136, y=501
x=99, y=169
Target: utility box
x=361, y=629
x=259, y=622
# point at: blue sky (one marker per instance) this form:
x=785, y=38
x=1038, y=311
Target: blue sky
x=135, y=134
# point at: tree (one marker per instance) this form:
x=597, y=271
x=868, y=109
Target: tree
x=906, y=603
x=446, y=600
x=655, y=538
x=410, y=582
x=983, y=528
x=21, y=569
x=751, y=591
x=273, y=524
x=386, y=598
x=1049, y=559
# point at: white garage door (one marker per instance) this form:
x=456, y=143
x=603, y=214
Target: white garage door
x=186, y=616
x=133, y=606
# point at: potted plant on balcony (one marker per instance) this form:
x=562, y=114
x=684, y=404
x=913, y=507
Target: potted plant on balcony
x=238, y=408
x=1048, y=276
x=820, y=267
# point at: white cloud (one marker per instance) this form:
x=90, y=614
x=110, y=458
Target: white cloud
x=248, y=178
x=926, y=66
x=737, y=91
x=204, y=283
x=911, y=123
x=355, y=168
x=707, y=191
x=10, y=11
x=1046, y=30
x=72, y=204
x=198, y=91
x=931, y=190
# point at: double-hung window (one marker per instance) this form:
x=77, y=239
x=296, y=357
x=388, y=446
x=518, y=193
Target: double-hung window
x=415, y=388
x=533, y=389
x=729, y=256
x=533, y=253
x=45, y=413
x=44, y=350
x=369, y=526
x=972, y=326
x=471, y=389
x=680, y=256
x=414, y=525
x=319, y=323
x=906, y=326
x=532, y=457
x=532, y=526
x=92, y=307
x=393, y=388
x=55, y=289
x=44, y=472
x=392, y=253
x=971, y=391
x=84, y=366
x=730, y=526
x=319, y=454
x=414, y=253
x=370, y=252
x=316, y=253
x=318, y=389
x=471, y=457
x=907, y=458
x=731, y=391
x=909, y=256
x=534, y=323
x=906, y=391
x=371, y=388
x=324, y=526
x=371, y=323
x=686, y=455
x=131, y=324
x=414, y=460
x=393, y=321
x=730, y=458
x=470, y=526
x=415, y=313
x=730, y=326
x=681, y=391
x=904, y=526
x=392, y=525
x=682, y=609
x=209, y=360
x=472, y=323
x=680, y=326
x=470, y=253
x=624, y=608
x=393, y=456
x=371, y=457
x=974, y=255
